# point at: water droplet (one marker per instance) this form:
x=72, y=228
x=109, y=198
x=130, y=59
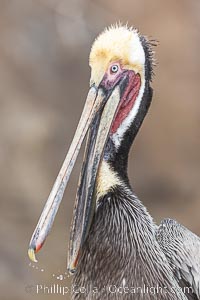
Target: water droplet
x=42, y=270
x=59, y=277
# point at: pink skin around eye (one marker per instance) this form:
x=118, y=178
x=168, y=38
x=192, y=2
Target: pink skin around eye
x=112, y=74
x=110, y=78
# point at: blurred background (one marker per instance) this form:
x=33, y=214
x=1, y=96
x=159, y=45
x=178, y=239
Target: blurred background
x=44, y=79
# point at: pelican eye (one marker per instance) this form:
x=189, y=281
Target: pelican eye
x=114, y=68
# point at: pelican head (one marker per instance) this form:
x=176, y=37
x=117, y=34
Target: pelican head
x=118, y=99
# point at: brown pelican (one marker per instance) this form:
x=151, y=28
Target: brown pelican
x=116, y=251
